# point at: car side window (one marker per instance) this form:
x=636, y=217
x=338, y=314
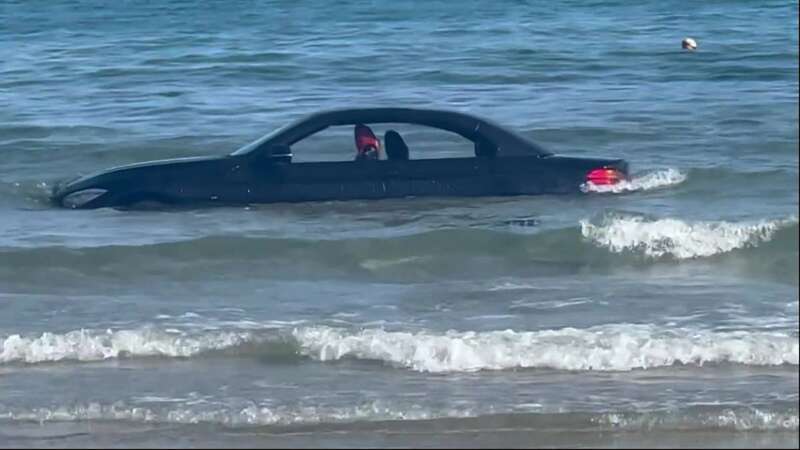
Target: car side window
x=399, y=141
x=332, y=144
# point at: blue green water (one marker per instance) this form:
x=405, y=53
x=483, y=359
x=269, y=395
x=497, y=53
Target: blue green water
x=667, y=309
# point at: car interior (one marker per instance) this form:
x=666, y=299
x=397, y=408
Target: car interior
x=394, y=147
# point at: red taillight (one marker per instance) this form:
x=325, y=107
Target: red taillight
x=604, y=176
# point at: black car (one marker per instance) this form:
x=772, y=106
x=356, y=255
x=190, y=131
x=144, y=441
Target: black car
x=501, y=163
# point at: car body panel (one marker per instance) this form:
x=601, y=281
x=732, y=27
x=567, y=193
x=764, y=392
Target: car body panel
x=262, y=172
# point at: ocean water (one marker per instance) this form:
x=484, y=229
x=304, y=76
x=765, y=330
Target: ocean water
x=661, y=312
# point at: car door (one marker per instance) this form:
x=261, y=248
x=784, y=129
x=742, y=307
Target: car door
x=530, y=175
x=386, y=179
x=341, y=181
x=445, y=177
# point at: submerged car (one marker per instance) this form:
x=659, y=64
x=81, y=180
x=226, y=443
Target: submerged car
x=500, y=163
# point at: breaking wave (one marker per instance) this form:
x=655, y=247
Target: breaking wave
x=606, y=348
x=87, y=345
x=677, y=238
x=619, y=347
x=644, y=182
x=432, y=254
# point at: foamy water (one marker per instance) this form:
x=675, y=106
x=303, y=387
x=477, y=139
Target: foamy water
x=753, y=419
x=253, y=415
x=709, y=418
x=608, y=348
x=88, y=345
x=655, y=179
x=678, y=238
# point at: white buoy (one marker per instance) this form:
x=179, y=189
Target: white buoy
x=689, y=44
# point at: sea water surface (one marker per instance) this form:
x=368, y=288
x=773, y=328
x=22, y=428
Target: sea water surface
x=662, y=312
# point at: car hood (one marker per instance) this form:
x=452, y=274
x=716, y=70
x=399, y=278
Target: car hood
x=80, y=182
x=160, y=162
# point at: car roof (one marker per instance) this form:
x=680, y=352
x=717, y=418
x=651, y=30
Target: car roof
x=466, y=125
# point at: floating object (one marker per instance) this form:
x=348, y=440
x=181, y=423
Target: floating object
x=689, y=44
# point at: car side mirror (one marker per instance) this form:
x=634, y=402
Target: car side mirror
x=280, y=153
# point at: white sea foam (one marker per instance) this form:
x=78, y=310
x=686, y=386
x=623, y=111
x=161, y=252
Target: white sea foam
x=552, y=304
x=606, y=348
x=611, y=347
x=88, y=345
x=512, y=286
x=651, y=180
x=740, y=419
x=230, y=416
x=677, y=238
x=735, y=418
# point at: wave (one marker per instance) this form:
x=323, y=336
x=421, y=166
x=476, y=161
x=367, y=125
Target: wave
x=612, y=235
x=231, y=416
x=88, y=345
x=677, y=238
x=606, y=348
x=642, y=182
x=619, y=347
x=710, y=418
x=389, y=415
